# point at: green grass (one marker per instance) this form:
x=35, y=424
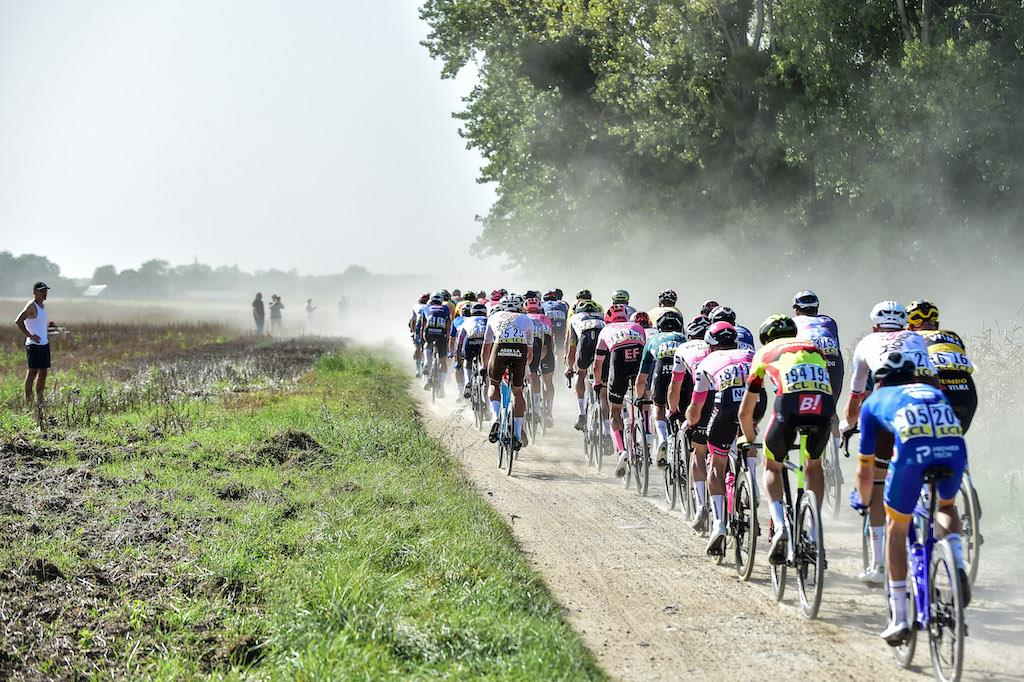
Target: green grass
x=369, y=559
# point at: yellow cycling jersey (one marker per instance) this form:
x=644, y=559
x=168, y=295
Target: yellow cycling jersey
x=600, y=308
x=461, y=306
x=656, y=313
x=795, y=366
x=946, y=351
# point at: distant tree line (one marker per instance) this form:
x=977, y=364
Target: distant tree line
x=602, y=119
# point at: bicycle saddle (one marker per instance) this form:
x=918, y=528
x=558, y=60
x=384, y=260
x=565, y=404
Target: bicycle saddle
x=937, y=473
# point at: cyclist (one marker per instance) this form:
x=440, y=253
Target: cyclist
x=707, y=306
x=543, y=364
x=417, y=334
x=684, y=368
x=471, y=340
x=456, y=296
x=495, y=298
x=436, y=323
x=723, y=313
x=619, y=347
x=947, y=352
x=824, y=332
x=666, y=303
x=453, y=335
x=888, y=319
x=803, y=398
x=659, y=355
x=468, y=299
x=642, y=319
x=585, y=326
x=621, y=296
x=557, y=311
x=508, y=346
x=725, y=369
x=448, y=301
x=926, y=432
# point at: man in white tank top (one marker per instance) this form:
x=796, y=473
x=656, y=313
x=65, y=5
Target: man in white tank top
x=33, y=324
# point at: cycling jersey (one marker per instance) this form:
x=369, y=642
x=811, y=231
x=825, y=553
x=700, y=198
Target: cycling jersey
x=656, y=313
x=471, y=335
x=744, y=339
x=512, y=336
x=435, y=319
x=658, y=360
x=822, y=330
x=584, y=330
x=794, y=365
x=926, y=433
x=543, y=344
x=684, y=367
x=623, y=343
x=461, y=306
x=947, y=352
x=872, y=350
x=508, y=327
x=726, y=371
x=558, y=313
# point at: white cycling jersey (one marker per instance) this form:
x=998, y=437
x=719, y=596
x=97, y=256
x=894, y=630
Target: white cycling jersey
x=687, y=357
x=870, y=353
x=508, y=327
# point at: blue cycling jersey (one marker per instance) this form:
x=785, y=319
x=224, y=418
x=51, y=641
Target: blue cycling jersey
x=435, y=319
x=660, y=346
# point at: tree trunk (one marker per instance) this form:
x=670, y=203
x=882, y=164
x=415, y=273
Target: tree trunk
x=904, y=21
x=926, y=23
x=759, y=26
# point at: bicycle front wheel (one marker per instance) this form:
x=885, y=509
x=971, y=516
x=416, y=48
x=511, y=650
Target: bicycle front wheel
x=642, y=453
x=946, y=629
x=810, y=554
x=833, y=477
x=744, y=526
x=670, y=474
x=970, y=528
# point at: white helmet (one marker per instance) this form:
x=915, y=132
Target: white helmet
x=889, y=315
x=512, y=303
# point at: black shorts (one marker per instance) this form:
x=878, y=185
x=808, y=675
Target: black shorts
x=38, y=355
x=586, y=348
x=959, y=389
x=724, y=424
x=547, y=363
x=511, y=357
x=699, y=434
x=439, y=344
x=625, y=363
x=471, y=351
x=662, y=379
x=836, y=374
x=793, y=411
x=538, y=350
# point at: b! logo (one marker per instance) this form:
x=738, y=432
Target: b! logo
x=810, y=404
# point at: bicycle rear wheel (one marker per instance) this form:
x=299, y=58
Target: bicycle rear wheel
x=946, y=629
x=810, y=554
x=970, y=528
x=688, y=489
x=642, y=452
x=670, y=474
x=833, y=477
x=744, y=526
x=778, y=571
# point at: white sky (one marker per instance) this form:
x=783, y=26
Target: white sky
x=311, y=134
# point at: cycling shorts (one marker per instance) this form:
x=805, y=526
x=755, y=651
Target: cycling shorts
x=905, y=479
x=511, y=357
x=723, y=426
x=836, y=374
x=439, y=344
x=958, y=387
x=471, y=351
x=547, y=363
x=662, y=380
x=625, y=363
x=699, y=433
x=538, y=348
x=795, y=410
x=586, y=348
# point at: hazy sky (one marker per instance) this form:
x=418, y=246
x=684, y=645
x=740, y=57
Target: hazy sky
x=307, y=134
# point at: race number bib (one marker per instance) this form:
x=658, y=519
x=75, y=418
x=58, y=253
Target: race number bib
x=805, y=378
x=926, y=421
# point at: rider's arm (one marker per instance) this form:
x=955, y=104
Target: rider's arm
x=866, y=467
x=746, y=416
x=27, y=313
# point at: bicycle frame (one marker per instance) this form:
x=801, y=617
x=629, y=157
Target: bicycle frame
x=919, y=557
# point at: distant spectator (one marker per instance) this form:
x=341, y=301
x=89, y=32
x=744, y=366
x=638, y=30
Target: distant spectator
x=33, y=324
x=275, y=313
x=259, y=314
x=309, y=313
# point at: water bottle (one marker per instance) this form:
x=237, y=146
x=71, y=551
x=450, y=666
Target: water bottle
x=730, y=481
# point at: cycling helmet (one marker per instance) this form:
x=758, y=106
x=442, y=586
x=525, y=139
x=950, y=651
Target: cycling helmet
x=805, y=300
x=670, y=322
x=889, y=315
x=551, y=296
x=586, y=307
x=897, y=368
x=512, y=303
x=436, y=298
x=533, y=305
x=707, y=307
x=667, y=297
x=424, y=298
x=584, y=294
x=919, y=312
x=720, y=334
x=723, y=313
x=616, y=313
x=777, y=327
x=496, y=295
x=697, y=327
x=558, y=294
x=504, y=291
x=641, y=318
x=478, y=310
x=531, y=293
x=456, y=292
x=470, y=296
x=445, y=295
x=620, y=296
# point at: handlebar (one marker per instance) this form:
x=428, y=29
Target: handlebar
x=846, y=440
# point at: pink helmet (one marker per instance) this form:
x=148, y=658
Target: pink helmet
x=616, y=313
x=720, y=333
x=533, y=305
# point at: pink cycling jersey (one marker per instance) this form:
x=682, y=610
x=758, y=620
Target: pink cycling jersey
x=687, y=357
x=723, y=370
x=541, y=325
x=618, y=334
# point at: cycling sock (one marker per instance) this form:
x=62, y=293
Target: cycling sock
x=752, y=466
x=419, y=364
x=778, y=515
x=517, y=426
x=617, y=435
x=606, y=427
x=702, y=491
x=877, y=546
x=582, y=403
x=898, y=600
x=496, y=408
x=955, y=546
x=662, y=430
x=718, y=502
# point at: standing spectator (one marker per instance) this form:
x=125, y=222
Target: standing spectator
x=275, y=313
x=309, y=314
x=33, y=324
x=258, y=312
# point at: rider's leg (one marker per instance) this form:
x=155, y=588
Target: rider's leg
x=699, y=471
x=581, y=389
x=617, y=425
x=896, y=558
x=773, y=488
x=549, y=391
x=716, y=481
x=815, y=479
x=535, y=389
x=518, y=410
x=876, y=522
x=606, y=419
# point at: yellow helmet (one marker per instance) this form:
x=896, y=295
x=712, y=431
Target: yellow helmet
x=919, y=312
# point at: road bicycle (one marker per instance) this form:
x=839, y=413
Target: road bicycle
x=593, y=433
x=477, y=390
x=637, y=432
x=805, y=546
x=742, y=528
x=506, y=437
x=530, y=417
x=833, y=473
x=936, y=599
x=677, y=471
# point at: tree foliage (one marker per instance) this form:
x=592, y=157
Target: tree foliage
x=596, y=118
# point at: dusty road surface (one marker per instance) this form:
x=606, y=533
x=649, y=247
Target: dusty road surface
x=637, y=585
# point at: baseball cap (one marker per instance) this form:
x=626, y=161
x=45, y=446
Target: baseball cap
x=39, y=285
